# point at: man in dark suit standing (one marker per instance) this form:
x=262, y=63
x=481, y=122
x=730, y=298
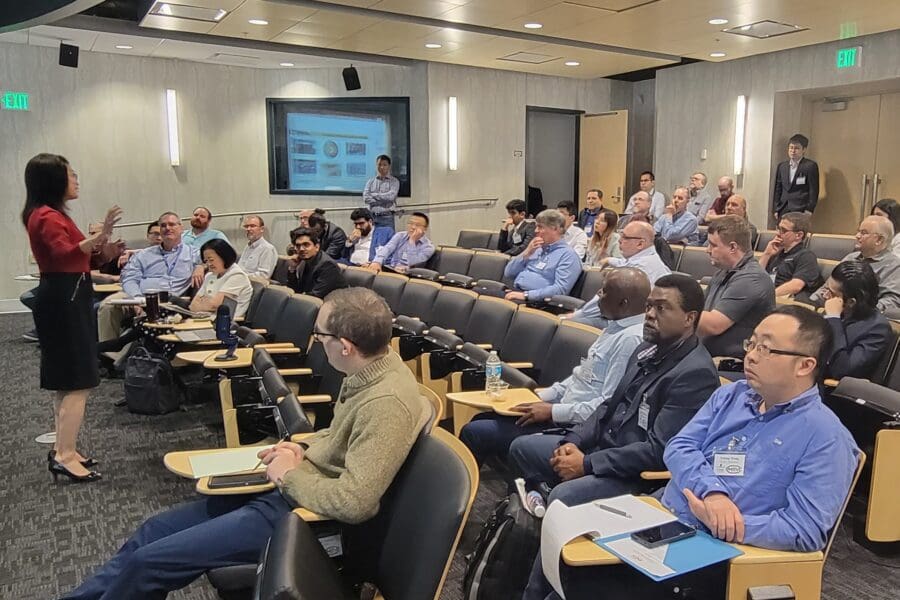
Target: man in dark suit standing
x=796, y=181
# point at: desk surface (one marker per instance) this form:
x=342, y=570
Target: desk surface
x=510, y=397
x=187, y=325
x=107, y=288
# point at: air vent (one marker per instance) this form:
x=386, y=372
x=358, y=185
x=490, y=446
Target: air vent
x=765, y=29
x=531, y=58
x=234, y=59
x=193, y=13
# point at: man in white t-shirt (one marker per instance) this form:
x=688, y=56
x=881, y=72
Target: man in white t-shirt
x=259, y=257
x=575, y=236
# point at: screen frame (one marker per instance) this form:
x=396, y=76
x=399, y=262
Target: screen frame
x=271, y=103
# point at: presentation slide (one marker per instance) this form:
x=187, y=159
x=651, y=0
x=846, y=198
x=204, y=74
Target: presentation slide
x=334, y=152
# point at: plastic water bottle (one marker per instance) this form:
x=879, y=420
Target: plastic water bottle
x=492, y=369
x=536, y=504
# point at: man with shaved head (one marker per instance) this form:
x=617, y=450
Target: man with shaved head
x=678, y=225
x=621, y=299
x=726, y=190
x=873, y=245
x=641, y=204
x=638, y=251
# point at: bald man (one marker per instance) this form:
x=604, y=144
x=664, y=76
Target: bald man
x=726, y=190
x=641, y=205
x=873, y=245
x=571, y=401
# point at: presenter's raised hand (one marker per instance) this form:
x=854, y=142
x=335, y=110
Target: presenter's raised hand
x=113, y=215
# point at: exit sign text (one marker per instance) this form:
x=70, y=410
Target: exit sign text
x=848, y=57
x=14, y=101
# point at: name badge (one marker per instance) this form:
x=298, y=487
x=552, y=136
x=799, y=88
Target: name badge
x=541, y=265
x=801, y=180
x=589, y=230
x=729, y=464
x=644, y=415
x=516, y=238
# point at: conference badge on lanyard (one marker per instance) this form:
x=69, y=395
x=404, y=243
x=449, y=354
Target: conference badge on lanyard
x=731, y=462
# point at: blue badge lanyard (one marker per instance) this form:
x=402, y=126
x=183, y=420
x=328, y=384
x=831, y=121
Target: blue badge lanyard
x=170, y=268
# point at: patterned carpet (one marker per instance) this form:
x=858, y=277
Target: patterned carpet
x=55, y=535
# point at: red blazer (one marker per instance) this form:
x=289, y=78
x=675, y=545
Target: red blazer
x=54, y=241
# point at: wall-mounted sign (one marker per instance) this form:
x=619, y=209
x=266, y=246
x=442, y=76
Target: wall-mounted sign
x=848, y=57
x=14, y=100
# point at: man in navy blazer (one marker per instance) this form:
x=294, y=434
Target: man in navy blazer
x=796, y=181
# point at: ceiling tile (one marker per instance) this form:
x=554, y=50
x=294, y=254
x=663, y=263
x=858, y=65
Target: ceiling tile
x=47, y=35
x=228, y=5
x=171, y=24
x=421, y=8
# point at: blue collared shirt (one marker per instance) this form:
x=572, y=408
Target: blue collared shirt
x=799, y=462
x=192, y=239
x=398, y=251
x=552, y=270
x=594, y=381
x=681, y=228
x=155, y=269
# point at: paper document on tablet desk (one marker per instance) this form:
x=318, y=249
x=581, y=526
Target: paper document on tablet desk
x=226, y=462
x=668, y=560
x=563, y=524
x=199, y=335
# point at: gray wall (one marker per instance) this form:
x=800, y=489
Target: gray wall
x=550, y=154
x=696, y=106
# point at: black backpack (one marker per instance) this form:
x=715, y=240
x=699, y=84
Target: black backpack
x=500, y=563
x=150, y=387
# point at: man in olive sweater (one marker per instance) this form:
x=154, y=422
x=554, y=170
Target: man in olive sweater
x=341, y=472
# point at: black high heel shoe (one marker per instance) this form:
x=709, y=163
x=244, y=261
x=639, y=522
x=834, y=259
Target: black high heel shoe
x=56, y=469
x=86, y=463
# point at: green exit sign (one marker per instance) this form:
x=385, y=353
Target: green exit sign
x=848, y=57
x=14, y=101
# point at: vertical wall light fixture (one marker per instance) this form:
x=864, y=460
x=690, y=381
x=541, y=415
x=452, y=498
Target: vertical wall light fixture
x=452, y=135
x=740, y=125
x=172, y=120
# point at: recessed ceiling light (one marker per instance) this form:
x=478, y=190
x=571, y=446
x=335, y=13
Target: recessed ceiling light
x=572, y=63
x=746, y=27
x=124, y=47
x=220, y=15
x=718, y=21
x=533, y=25
x=258, y=22
x=717, y=54
x=287, y=64
x=433, y=46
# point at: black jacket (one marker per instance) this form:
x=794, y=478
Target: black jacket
x=858, y=346
x=507, y=243
x=674, y=387
x=317, y=277
x=332, y=243
x=791, y=195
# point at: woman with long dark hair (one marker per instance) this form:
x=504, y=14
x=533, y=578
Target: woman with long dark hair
x=63, y=309
x=890, y=208
x=605, y=241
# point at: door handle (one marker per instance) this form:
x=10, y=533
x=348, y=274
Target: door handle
x=864, y=198
x=876, y=181
x=618, y=195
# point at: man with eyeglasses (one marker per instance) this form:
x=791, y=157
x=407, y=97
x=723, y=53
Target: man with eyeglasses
x=311, y=271
x=638, y=251
x=873, y=245
x=259, y=257
x=793, y=268
x=365, y=239
x=647, y=183
x=548, y=266
x=701, y=200
x=341, y=472
x=764, y=462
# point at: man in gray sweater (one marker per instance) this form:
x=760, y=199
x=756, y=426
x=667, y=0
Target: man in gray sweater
x=340, y=473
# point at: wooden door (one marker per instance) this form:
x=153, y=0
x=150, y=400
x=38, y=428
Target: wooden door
x=604, y=152
x=886, y=182
x=843, y=143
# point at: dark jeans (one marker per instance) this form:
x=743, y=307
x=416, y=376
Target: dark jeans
x=489, y=435
x=174, y=548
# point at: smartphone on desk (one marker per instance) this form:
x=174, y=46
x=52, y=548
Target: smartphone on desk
x=241, y=480
x=666, y=533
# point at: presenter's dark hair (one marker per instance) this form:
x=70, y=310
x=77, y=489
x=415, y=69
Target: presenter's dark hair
x=799, y=138
x=223, y=249
x=46, y=181
x=382, y=157
x=689, y=290
x=305, y=232
x=361, y=213
x=422, y=215
x=858, y=282
x=516, y=205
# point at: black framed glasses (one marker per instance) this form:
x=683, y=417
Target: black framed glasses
x=318, y=335
x=764, y=351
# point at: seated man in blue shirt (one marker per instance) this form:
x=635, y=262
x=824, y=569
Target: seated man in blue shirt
x=574, y=399
x=407, y=249
x=548, y=266
x=764, y=462
x=677, y=225
x=172, y=266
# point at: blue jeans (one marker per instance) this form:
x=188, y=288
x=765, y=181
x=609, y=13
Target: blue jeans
x=489, y=435
x=174, y=548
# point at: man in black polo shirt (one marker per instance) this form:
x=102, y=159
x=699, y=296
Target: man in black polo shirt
x=740, y=294
x=793, y=268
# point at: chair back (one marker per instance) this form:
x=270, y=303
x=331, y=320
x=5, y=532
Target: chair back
x=677, y=251
x=570, y=344
x=410, y=544
x=494, y=241
x=358, y=277
x=297, y=321
x=529, y=336
x=271, y=303
x=273, y=387
x=474, y=238
x=861, y=462
x=262, y=361
x=326, y=379
x=763, y=239
x=452, y=309
x=487, y=265
x=290, y=418
x=417, y=299
x=489, y=320
x=390, y=287
x=452, y=260
x=695, y=262
x=248, y=337
x=258, y=289
x=436, y=405
x=593, y=281
x=826, y=267
x=830, y=246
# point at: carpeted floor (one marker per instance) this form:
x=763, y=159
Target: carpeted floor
x=52, y=536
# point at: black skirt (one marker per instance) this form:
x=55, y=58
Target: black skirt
x=67, y=330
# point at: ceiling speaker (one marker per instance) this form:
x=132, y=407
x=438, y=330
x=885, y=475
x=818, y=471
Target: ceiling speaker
x=68, y=55
x=351, y=78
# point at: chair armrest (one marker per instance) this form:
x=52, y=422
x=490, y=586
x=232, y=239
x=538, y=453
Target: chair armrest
x=520, y=365
x=299, y=437
x=295, y=372
x=654, y=475
x=260, y=330
x=753, y=555
x=296, y=567
x=309, y=516
x=314, y=399
x=285, y=350
x=484, y=346
x=832, y=383
x=270, y=345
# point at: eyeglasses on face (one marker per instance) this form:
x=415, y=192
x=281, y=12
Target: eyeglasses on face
x=764, y=351
x=319, y=335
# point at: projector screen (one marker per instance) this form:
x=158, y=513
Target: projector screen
x=329, y=146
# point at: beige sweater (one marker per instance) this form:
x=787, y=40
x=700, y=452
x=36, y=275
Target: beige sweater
x=349, y=466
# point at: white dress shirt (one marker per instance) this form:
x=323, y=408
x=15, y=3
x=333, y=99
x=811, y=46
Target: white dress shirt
x=259, y=258
x=577, y=240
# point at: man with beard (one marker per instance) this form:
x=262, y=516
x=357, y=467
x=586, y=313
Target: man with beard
x=200, y=231
x=364, y=240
